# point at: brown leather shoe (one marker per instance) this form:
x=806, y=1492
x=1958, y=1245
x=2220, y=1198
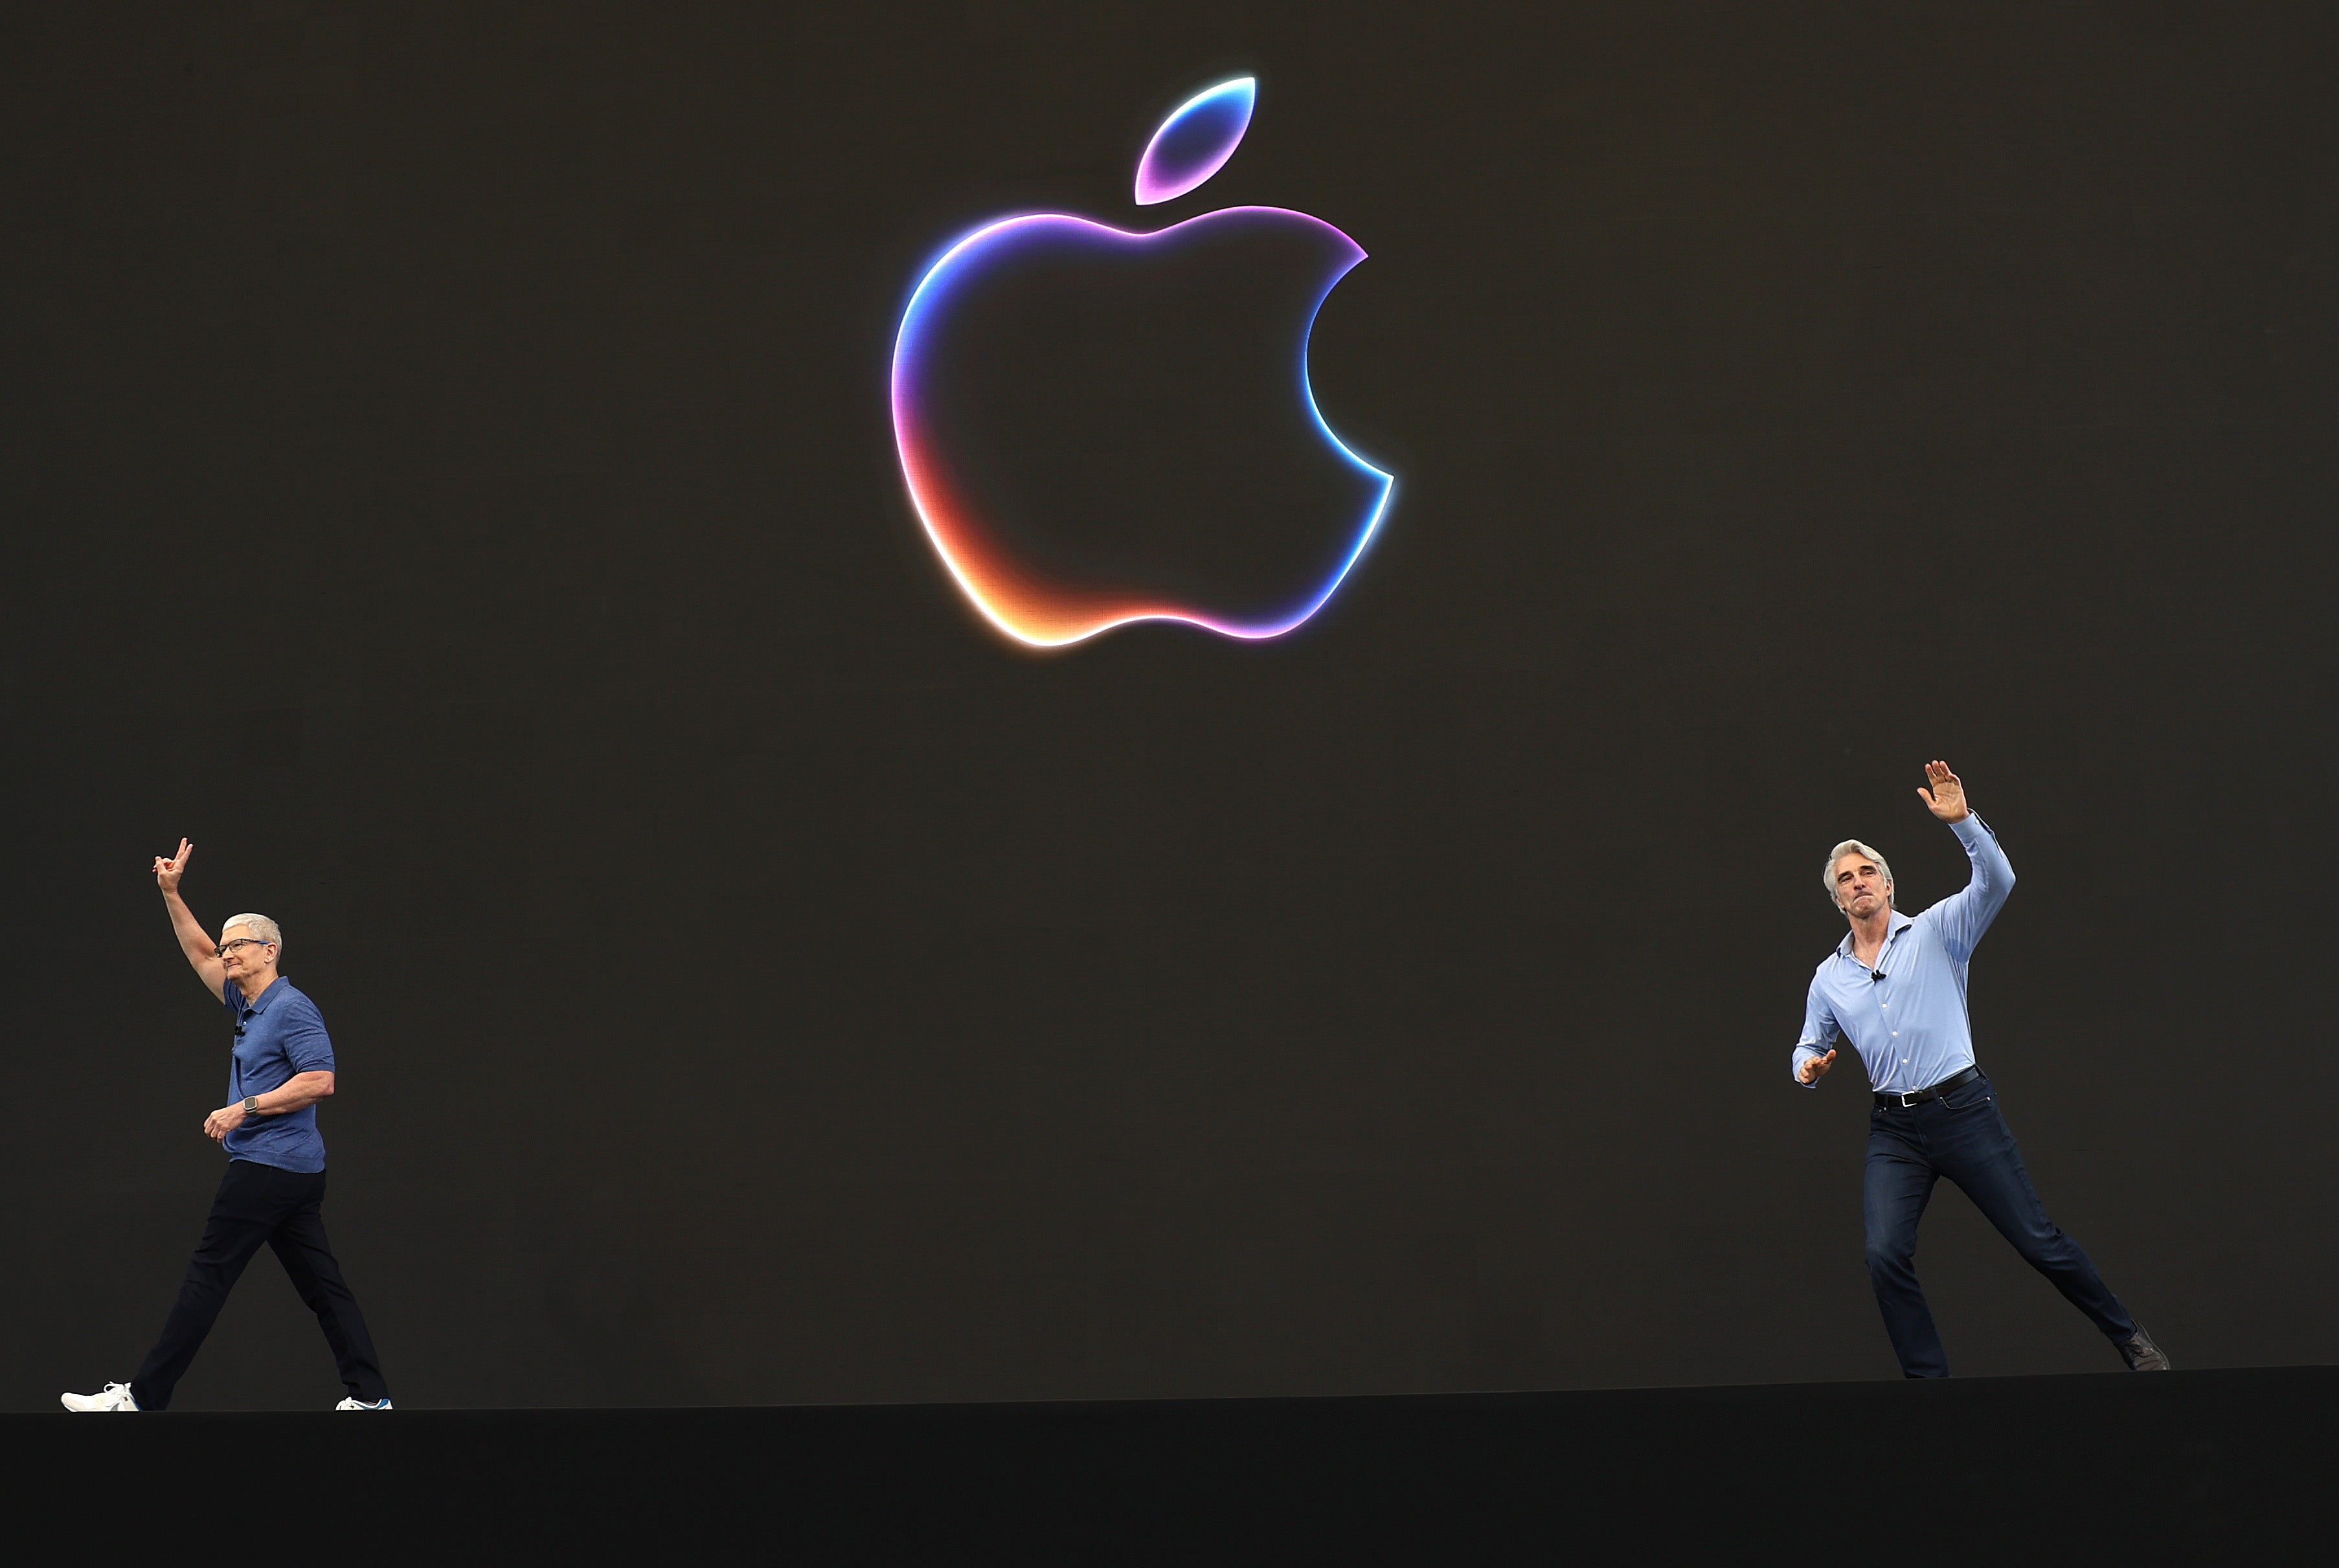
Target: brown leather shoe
x=2141, y=1354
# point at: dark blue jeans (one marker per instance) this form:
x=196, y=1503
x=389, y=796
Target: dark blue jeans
x=1962, y=1136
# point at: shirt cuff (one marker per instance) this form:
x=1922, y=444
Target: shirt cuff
x=1795, y=1068
x=1971, y=829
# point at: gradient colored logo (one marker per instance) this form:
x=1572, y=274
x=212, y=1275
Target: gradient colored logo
x=1192, y=477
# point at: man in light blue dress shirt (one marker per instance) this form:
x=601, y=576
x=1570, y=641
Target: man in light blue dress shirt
x=1896, y=987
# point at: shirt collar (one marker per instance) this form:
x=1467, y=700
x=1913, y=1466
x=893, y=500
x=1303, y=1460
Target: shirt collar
x=1900, y=922
x=261, y=1003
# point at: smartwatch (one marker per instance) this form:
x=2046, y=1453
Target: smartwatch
x=251, y=1105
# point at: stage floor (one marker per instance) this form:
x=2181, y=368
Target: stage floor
x=2211, y=1466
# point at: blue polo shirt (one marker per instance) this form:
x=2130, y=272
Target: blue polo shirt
x=279, y=1035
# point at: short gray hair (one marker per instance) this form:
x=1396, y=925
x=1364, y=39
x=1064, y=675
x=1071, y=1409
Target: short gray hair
x=1849, y=846
x=259, y=925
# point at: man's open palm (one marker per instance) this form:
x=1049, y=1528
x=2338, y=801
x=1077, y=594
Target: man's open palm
x=1946, y=798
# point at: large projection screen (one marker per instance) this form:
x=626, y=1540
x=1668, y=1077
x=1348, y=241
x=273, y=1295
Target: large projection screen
x=451, y=475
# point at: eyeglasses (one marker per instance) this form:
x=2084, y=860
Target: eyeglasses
x=228, y=947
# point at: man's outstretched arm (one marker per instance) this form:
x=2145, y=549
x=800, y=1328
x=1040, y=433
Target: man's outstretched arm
x=1966, y=914
x=193, y=941
x=1820, y=1035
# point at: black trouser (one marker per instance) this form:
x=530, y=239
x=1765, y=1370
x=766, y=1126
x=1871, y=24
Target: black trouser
x=259, y=1203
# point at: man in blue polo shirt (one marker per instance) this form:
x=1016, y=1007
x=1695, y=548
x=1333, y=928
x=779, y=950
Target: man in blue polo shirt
x=281, y=1065
x=1896, y=987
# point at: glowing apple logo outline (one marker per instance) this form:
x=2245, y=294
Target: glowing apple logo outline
x=1192, y=144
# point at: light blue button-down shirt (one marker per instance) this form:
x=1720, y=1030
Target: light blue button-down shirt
x=1910, y=1025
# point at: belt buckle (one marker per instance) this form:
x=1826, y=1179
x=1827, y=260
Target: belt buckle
x=1909, y=1101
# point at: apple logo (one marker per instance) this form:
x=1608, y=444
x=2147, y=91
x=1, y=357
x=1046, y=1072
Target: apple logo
x=1099, y=426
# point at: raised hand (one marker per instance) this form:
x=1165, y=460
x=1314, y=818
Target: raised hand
x=1946, y=798
x=168, y=869
x=1814, y=1068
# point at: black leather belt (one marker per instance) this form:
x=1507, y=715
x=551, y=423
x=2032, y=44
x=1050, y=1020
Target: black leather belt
x=1904, y=1101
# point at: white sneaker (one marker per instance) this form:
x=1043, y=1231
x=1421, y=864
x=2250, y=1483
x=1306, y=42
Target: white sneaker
x=115, y=1397
x=354, y=1404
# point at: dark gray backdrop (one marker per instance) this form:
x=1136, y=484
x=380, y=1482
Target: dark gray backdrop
x=446, y=468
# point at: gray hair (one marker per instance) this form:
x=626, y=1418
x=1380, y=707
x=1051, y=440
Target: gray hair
x=259, y=925
x=1849, y=846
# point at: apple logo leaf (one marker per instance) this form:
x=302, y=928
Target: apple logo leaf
x=1196, y=140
